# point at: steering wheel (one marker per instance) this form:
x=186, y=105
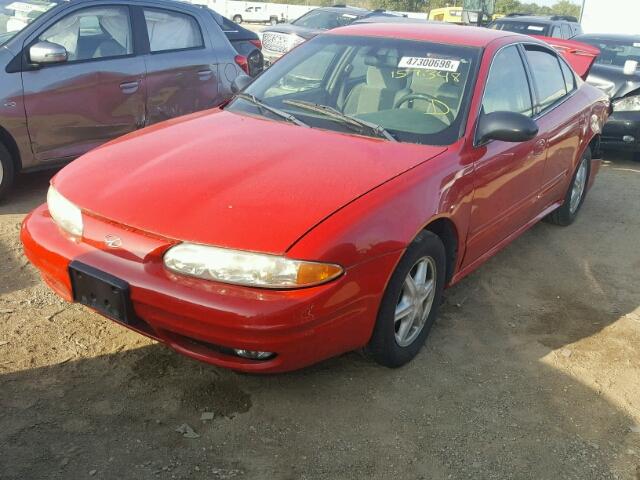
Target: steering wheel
x=437, y=103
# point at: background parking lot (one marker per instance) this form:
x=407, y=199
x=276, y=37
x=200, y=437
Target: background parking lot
x=532, y=371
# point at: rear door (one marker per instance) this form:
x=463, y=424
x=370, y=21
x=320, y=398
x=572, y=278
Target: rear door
x=96, y=95
x=181, y=65
x=561, y=125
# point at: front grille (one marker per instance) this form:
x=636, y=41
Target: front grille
x=276, y=42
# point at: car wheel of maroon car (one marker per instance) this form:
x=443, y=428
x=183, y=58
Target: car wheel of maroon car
x=410, y=302
x=7, y=171
x=567, y=213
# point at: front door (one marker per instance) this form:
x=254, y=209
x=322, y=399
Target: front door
x=182, y=71
x=508, y=176
x=96, y=95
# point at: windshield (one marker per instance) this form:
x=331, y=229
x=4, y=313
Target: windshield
x=528, y=28
x=413, y=91
x=14, y=16
x=324, y=19
x=614, y=52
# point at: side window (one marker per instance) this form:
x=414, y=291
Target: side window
x=507, y=87
x=556, y=32
x=93, y=33
x=169, y=30
x=569, y=77
x=566, y=31
x=547, y=75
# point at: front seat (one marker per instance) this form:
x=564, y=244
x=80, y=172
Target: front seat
x=381, y=88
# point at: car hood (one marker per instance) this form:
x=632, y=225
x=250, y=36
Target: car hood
x=613, y=81
x=232, y=180
x=288, y=28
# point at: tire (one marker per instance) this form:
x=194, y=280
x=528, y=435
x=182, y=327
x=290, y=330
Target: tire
x=237, y=19
x=568, y=212
x=7, y=171
x=388, y=346
x=273, y=21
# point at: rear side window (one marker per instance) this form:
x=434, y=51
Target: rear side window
x=566, y=31
x=169, y=30
x=547, y=75
x=507, y=87
x=569, y=77
x=556, y=32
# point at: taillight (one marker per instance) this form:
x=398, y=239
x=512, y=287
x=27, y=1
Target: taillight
x=243, y=63
x=257, y=43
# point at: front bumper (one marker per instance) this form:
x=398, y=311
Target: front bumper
x=203, y=319
x=622, y=132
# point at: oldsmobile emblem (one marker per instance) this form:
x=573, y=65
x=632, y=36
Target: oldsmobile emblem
x=112, y=241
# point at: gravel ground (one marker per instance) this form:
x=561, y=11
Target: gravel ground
x=532, y=371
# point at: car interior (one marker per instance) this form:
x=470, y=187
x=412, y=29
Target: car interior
x=368, y=83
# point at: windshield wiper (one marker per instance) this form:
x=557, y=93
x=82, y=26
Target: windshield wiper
x=276, y=111
x=334, y=114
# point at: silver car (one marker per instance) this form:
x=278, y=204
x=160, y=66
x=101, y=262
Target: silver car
x=78, y=73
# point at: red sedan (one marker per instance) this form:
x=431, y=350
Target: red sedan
x=388, y=162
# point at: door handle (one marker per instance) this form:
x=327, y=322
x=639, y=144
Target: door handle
x=539, y=147
x=130, y=87
x=205, y=74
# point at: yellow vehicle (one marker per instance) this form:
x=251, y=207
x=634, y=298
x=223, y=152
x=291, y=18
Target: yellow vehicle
x=447, y=14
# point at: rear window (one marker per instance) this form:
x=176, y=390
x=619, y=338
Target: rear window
x=325, y=20
x=528, y=28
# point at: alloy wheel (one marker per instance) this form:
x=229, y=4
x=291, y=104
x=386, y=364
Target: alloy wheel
x=579, y=184
x=415, y=301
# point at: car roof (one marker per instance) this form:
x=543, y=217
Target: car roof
x=608, y=36
x=534, y=18
x=434, y=32
x=337, y=9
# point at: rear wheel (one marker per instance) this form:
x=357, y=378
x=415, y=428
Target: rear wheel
x=567, y=213
x=273, y=20
x=237, y=19
x=410, y=302
x=7, y=171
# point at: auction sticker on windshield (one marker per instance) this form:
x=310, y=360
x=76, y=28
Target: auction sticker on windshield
x=430, y=63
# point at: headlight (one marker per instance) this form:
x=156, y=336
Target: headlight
x=66, y=215
x=247, y=268
x=627, y=104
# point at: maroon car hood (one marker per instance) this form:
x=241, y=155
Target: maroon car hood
x=232, y=180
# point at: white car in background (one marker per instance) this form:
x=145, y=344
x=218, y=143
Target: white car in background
x=255, y=14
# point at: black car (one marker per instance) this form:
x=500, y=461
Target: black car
x=558, y=26
x=616, y=72
x=279, y=39
x=246, y=42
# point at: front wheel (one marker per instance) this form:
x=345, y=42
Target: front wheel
x=410, y=303
x=567, y=213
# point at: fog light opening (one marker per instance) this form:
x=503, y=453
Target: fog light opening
x=253, y=354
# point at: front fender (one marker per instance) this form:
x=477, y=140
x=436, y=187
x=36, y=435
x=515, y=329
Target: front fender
x=388, y=218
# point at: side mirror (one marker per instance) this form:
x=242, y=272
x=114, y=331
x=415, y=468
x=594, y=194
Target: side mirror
x=240, y=83
x=506, y=127
x=47, y=52
x=630, y=67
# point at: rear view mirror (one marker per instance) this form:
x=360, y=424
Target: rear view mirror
x=240, y=83
x=630, y=67
x=47, y=52
x=506, y=127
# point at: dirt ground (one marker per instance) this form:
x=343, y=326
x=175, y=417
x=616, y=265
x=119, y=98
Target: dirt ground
x=532, y=371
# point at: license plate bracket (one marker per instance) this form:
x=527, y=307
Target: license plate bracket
x=101, y=291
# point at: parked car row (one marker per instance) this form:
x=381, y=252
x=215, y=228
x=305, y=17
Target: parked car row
x=77, y=74
x=395, y=158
